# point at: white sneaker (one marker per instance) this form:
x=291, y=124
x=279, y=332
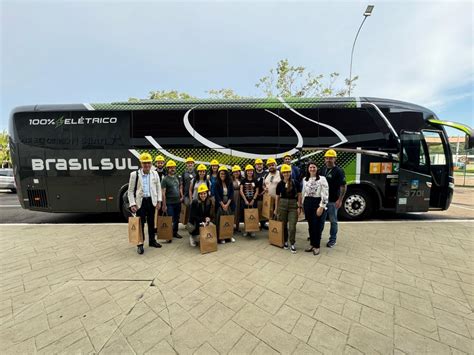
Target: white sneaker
x=253, y=235
x=222, y=242
x=232, y=240
x=191, y=241
x=293, y=249
x=245, y=234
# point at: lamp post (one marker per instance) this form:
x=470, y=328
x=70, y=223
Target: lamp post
x=367, y=13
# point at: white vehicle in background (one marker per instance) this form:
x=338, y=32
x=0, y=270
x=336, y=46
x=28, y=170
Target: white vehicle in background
x=6, y=180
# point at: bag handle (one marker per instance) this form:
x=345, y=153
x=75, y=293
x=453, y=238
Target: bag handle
x=276, y=217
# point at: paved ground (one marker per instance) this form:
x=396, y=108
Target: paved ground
x=390, y=288
x=462, y=207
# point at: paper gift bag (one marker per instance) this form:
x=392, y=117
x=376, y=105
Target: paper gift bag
x=251, y=220
x=276, y=233
x=208, y=238
x=164, y=227
x=268, y=206
x=184, y=214
x=260, y=206
x=135, y=232
x=226, y=226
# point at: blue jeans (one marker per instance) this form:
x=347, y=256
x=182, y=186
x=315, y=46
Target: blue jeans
x=332, y=214
x=173, y=210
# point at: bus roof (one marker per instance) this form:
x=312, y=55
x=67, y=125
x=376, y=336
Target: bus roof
x=241, y=103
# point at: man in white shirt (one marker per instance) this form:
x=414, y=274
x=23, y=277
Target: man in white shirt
x=272, y=179
x=144, y=195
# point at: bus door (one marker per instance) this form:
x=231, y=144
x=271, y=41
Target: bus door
x=440, y=169
x=414, y=178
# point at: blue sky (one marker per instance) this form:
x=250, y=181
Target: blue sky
x=101, y=51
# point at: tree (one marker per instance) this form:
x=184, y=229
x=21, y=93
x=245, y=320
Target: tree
x=295, y=81
x=223, y=94
x=5, y=150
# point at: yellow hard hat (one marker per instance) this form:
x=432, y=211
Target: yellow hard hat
x=331, y=153
x=202, y=188
x=249, y=167
x=170, y=163
x=189, y=160
x=214, y=162
x=271, y=161
x=201, y=167
x=236, y=168
x=287, y=155
x=223, y=168
x=285, y=168
x=258, y=161
x=159, y=158
x=145, y=158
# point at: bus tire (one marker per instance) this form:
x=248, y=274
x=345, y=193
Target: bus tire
x=358, y=204
x=124, y=207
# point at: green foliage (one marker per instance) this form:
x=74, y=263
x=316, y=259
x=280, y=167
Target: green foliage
x=223, y=94
x=170, y=95
x=5, y=157
x=295, y=81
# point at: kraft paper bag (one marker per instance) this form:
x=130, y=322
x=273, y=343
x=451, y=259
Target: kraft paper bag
x=226, y=226
x=164, y=227
x=259, y=207
x=251, y=220
x=208, y=238
x=184, y=214
x=276, y=233
x=135, y=232
x=268, y=206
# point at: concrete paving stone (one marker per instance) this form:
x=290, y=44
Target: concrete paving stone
x=101, y=333
x=202, y=307
x=254, y=293
x=345, y=290
x=263, y=348
x=82, y=346
x=327, y=339
x=226, y=337
x=373, y=290
x=20, y=332
x=188, y=302
x=232, y=301
x=456, y=341
x=349, y=350
x=138, y=318
x=413, y=343
x=101, y=314
x=416, y=304
x=451, y=322
x=252, y=318
x=242, y=288
x=448, y=290
x=451, y=305
x=206, y=349
x=279, y=340
x=351, y=278
x=117, y=344
x=304, y=327
x=174, y=315
x=391, y=296
x=302, y=302
x=286, y=318
x=270, y=301
x=375, y=303
x=245, y=345
x=187, y=287
x=190, y=336
x=352, y=310
x=216, y=317
x=418, y=323
x=332, y=319
x=63, y=343
x=215, y=287
x=369, y=341
x=162, y=348
x=149, y=335
x=334, y=302
x=51, y=335
x=377, y=321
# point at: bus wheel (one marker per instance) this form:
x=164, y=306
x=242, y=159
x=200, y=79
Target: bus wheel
x=125, y=211
x=357, y=205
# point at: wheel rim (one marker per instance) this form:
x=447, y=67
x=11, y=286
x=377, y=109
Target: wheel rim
x=355, y=205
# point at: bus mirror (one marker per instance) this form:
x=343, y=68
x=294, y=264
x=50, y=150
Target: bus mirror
x=469, y=142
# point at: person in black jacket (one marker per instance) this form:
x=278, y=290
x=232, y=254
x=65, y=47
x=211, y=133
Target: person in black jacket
x=202, y=212
x=224, y=195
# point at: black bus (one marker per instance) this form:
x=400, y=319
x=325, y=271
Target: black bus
x=78, y=157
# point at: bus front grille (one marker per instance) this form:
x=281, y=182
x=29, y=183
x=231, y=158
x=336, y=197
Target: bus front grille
x=37, y=198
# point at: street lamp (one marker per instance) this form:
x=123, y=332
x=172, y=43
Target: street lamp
x=367, y=13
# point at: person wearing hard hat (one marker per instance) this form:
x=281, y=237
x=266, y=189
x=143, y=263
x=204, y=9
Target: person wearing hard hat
x=172, y=196
x=260, y=174
x=288, y=205
x=201, y=213
x=236, y=180
x=186, y=178
x=295, y=171
x=198, y=180
x=224, y=195
x=248, y=192
x=144, y=195
x=213, y=175
x=160, y=166
x=336, y=179
x=272, y=178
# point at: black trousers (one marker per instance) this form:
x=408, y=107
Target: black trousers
x=147, y=213
x=315, y=223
